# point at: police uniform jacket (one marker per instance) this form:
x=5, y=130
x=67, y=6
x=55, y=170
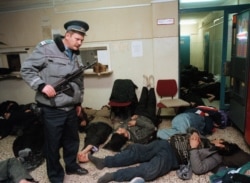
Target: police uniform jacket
x=46, y=65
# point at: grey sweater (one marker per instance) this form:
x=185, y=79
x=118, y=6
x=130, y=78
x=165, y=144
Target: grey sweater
x=204, y=160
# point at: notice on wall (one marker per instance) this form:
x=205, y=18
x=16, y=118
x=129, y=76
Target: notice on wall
x=102, y=56
x=136, y=49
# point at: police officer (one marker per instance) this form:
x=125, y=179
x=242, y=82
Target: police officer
x=51, y=61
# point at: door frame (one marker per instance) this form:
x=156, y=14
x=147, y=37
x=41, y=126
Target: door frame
x=184, y=46
x=227, y=10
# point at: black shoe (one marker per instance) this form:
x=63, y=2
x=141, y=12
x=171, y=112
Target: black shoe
x=78, y=171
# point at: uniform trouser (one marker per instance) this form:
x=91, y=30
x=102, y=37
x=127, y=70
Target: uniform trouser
x=61, y=130
x=12, y=171
x=155, y=159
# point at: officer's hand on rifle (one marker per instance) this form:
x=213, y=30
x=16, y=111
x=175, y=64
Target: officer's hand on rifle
x=49, y=91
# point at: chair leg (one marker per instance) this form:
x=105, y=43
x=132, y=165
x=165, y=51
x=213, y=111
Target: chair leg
x=158, y=117
x=176, y=110
x=159, y=112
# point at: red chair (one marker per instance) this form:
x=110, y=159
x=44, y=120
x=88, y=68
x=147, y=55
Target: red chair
x=167, y=90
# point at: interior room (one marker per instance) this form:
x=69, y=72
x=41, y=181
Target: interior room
x=213, y=31
x=128, y=34
x=206, y=27
x=130, y=39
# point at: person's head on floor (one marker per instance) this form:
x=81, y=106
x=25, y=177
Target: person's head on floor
x=217, y=118
x=196, y=135
x=135, y=116
x=122, y=131
x=224, y=148
x=8, y=106
x=116, y=142
x=193, y=131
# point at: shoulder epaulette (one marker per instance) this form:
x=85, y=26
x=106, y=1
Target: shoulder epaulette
x=49, y=41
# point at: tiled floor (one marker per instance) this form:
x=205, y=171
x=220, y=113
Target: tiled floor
x=229, y=133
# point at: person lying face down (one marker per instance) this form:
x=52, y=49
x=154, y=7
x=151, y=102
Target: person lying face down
x=97, y=126
x=138, y=129
x=203, y=118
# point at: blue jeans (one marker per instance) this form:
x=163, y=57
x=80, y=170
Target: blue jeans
x=181, y=123
x=155, y=159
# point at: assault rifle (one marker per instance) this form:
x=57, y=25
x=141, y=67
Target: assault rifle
x=63, y=85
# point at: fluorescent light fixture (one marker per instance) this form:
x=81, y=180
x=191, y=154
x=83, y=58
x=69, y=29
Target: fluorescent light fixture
x=160, y=1
x=188, y=22
x=196, y=1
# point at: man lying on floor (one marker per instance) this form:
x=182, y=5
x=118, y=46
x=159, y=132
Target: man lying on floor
x=162, y=156
x=203, y=118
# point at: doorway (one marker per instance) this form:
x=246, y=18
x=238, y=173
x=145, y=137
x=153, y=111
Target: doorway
x=210, y=43
x=205, y=33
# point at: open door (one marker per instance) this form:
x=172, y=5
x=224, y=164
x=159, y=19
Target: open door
x=239, y=73
x=184, y=51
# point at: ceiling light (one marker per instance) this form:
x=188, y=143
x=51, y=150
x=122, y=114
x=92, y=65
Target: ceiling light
x=188, y=22
x=195, y=1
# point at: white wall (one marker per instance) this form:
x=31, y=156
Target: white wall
x=17, y=90
x=117, y=28
x=196, y=33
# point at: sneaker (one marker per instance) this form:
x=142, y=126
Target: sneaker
x=137, y=180
x=151, y=81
